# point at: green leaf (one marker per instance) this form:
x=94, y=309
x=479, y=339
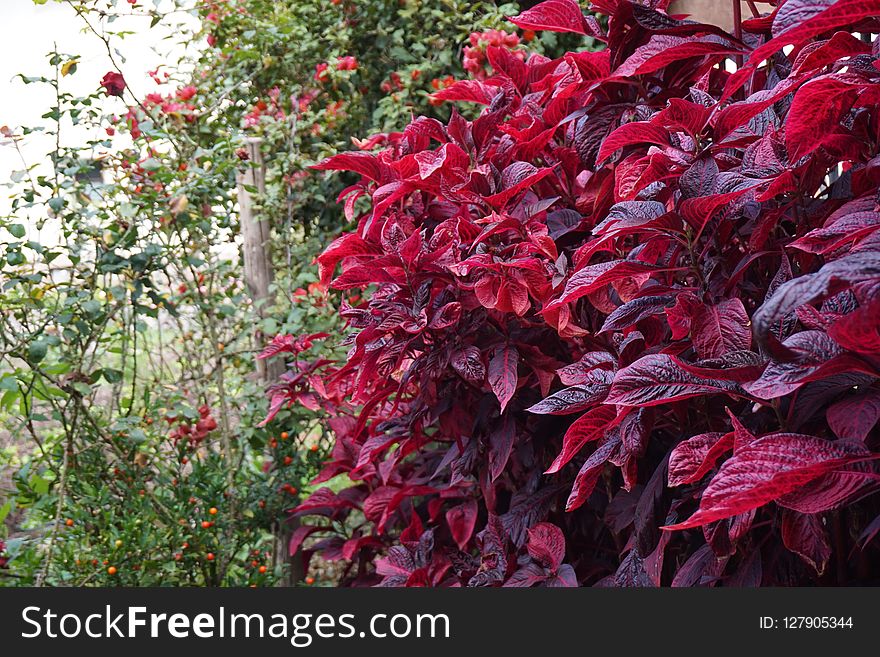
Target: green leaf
x=112, y=376
x=17, y=230
x=37, y=351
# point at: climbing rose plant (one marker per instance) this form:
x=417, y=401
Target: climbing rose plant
x=622, y=328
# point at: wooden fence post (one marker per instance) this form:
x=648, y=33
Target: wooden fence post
x=258, y=276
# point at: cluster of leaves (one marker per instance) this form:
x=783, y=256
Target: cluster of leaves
x=129, y=310
x=622, y=328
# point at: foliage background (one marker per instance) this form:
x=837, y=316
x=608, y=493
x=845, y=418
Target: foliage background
x=128, y=319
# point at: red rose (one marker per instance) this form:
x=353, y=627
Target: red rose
x=113, y=83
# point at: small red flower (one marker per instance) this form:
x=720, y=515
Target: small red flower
x=321, y=74
x=347, y=63
x=187, y=92
x=113, y=83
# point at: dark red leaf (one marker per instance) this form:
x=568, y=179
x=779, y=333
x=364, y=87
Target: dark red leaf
x=503, y=373
x=804, y=535
x=658, y=379
x=553, y=16
x=767, y=469
x=691, y=459
x=722, y=328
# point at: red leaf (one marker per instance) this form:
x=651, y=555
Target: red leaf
x=468, y=91
x=592, y=277
x=576, y=398
x=815, y=114
x=468, y=362
x=859, y=331
x=502, y=373
x=590, y=426
x=547, y=545
x=640, y=132
x=577, y=373
x=500, y=445
x=658, y=379
x=767, y=469
x=815, y=354
x=553, y=16
x=854, y=417
x=365, y=164
x=662, y=50
x=691, y=459
x=717, y=330
x=588, y=476
x=461, y=520
x=804, y=535
x=847, y=228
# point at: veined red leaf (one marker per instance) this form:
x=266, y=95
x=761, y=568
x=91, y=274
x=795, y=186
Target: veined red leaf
x=576, y=373
x=722, y=328
x=468, y=362
x=501, y=441
x=853, y=418
x=467, y=91
x=815, y=113
x=832, y=277
x=658, y=379
x=546, y=545
x=859, y=331
x=552, y=16
x=815, y=354
x=662, y=50
x=590, y=426
x=639, y=132
x=847, y=228
x=767, y=469
x=691, y=459
x=502, y=373
x=366, y=164
x=576, y=398
x=632, y=312
x=592, y=277
x=588, y=475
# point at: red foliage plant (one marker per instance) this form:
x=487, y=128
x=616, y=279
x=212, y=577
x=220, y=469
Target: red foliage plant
x=622, y=328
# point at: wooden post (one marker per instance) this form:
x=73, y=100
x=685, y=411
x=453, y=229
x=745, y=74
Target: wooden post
x=717, y=12
x=255, y=233
x=258, y=276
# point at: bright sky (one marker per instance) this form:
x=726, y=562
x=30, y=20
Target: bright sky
x=31, y=30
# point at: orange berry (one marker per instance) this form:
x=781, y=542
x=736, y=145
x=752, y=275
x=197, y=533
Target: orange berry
x=206, y=524
x=314, y=448
x=69, y=522
x=262, y=570
x=213, y=511
x=284, y=435
x=310, y=580
x=209, y=556
x=111, y=570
